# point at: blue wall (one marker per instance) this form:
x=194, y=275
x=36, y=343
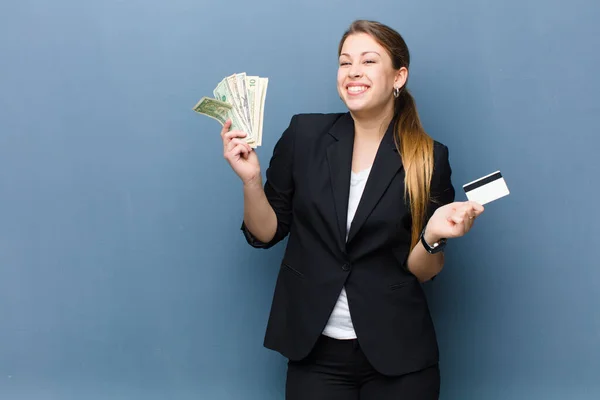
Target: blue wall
x=123, y=273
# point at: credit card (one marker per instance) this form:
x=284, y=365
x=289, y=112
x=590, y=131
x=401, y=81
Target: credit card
x=486, y=189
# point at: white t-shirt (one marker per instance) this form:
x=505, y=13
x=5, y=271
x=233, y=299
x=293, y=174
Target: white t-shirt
x=340, y=325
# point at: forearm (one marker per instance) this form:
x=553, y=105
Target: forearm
x=259, y=217
x=424, y=265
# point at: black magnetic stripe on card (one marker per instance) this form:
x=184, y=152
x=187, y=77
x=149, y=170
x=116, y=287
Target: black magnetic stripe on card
x=485, y=181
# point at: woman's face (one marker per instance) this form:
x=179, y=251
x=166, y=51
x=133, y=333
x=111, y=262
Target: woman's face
x=366, y=77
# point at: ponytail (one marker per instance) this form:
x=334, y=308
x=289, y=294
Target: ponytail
x=416, y=149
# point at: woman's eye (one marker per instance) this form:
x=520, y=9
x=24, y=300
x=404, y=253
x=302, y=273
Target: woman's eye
x=369, y=61
x=344, y=63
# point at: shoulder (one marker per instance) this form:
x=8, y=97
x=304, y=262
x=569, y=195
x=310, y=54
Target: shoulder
x=309, y=124
x=440, y=152
x=441, y=183
x=303, y=130
x=317, y=119
x=439, y=146
x=442, y=189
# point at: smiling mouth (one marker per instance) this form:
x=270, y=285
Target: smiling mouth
x=354, y=90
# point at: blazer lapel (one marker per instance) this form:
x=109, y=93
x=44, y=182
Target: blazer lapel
x=386, y=165
x=339, y=157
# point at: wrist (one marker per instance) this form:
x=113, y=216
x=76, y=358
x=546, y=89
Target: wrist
x=430, y=237
x=253, y=183
x=431, y=242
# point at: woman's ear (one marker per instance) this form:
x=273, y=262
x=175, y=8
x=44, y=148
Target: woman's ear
x=401, y=77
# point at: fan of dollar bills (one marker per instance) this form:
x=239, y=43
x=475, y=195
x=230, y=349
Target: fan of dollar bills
x=240, y=98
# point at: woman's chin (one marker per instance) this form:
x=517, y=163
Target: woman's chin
x=360, y=109
x=365, y=108
x=356, y=106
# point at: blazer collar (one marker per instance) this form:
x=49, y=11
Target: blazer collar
x=386, y=165
x=343, y=130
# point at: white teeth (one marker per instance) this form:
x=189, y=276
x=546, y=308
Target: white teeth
x=356, y=89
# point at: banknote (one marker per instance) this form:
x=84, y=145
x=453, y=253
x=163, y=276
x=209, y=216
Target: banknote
x=263, y=84
x=232, y=85
x=223, y=94
x=241, y=98
x=243, y=93
x=253, y=97
x=219, y=110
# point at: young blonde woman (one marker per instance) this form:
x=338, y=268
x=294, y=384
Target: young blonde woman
x=367, y=201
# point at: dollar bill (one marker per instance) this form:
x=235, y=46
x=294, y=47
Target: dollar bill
x=251, y=86
x=241, y=98
x=243, y=93
x=223, y=93
x=264, y=83
x=254, y=93
x=215, y=109
x=237, y=98
x=221, y=112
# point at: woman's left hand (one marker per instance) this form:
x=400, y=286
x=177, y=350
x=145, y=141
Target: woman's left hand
x=452, y=220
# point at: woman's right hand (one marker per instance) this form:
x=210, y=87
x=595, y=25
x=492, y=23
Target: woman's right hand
x=241, y=157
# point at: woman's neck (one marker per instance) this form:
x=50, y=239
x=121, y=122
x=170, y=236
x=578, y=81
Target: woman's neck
x=372, y=126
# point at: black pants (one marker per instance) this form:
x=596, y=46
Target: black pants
x=338, y=370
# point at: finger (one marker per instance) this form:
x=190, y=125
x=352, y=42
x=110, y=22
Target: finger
x=463, y=213
x=455, y=206
x=471, y=209
x=235, y=142
x=470, y=220
x=456, y=219
x=474, y=213
x=235, y=134
x=230, y=135
x=235, y=152
x=239, y=151
x=466, y=208
x=226, y=127
x=476, y=206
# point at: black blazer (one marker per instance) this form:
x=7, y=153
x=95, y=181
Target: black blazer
x=308, y=183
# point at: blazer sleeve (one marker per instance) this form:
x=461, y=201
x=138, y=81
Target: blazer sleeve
x=442, y=192
x=279, y=187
